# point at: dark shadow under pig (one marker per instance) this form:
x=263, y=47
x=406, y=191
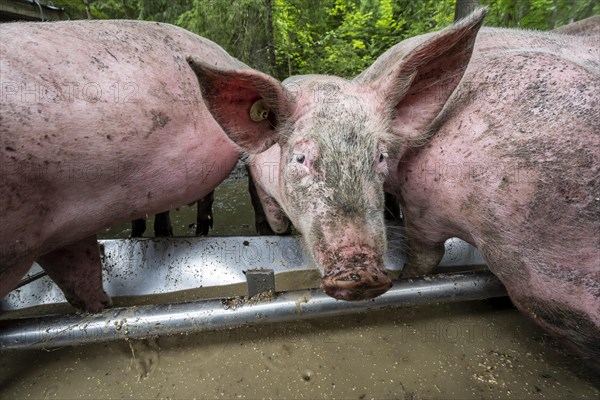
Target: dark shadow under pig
x=205, y=219
x=162, y=221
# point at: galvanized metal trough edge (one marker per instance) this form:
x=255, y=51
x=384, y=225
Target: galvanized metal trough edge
x=168, y=319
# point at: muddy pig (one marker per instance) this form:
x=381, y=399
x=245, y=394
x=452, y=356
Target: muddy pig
x=103, y=122
x=488, y=136
x=586, y=27
x=509, y=163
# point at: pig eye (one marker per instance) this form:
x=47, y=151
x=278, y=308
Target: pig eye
x=382, y=157
x=300, y=158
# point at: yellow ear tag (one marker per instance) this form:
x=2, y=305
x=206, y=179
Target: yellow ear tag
x=259, y=111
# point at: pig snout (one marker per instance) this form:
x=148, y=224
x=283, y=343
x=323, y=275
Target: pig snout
x=361, y=277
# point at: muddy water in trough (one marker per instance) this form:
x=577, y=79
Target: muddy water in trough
x=468, y=350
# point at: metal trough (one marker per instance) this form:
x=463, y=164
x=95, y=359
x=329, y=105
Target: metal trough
x=167, y=319
x=163, y=269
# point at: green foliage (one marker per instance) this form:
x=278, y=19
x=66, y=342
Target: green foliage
x=100, y=9
x=240, y=27
x=341, y=37
x=538, y=14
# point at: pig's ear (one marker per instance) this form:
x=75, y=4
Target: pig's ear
x=416, y=77
x=246, y=103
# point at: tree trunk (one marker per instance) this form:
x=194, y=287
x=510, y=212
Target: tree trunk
x=464, y=8
x=270, y=36
x=87, y=8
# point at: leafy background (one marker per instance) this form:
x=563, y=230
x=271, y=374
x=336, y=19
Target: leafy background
x=341, y=37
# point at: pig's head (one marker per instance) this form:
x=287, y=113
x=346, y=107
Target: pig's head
x=334, y=142
x=332, y=165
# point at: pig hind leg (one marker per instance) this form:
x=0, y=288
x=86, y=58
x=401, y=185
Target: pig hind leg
x=77, y=271
x=138, y=227
x=162, y=225
x=260, y=219
x=204, y=217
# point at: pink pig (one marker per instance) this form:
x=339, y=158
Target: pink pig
x=101, y=122
x=490, y=136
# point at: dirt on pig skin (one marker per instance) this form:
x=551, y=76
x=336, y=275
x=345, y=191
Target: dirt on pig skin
x=75, y=162
x=486, y=135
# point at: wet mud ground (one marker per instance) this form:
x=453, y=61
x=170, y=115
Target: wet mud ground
x=468, y=350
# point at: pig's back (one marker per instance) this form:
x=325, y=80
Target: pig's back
x=97, y=116
x=524, y=126
x=497, y=42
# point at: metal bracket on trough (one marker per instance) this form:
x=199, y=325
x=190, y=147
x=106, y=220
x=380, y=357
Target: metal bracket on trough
x=260, y=281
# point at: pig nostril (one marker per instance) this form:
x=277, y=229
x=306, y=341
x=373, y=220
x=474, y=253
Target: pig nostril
x=350, y=277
